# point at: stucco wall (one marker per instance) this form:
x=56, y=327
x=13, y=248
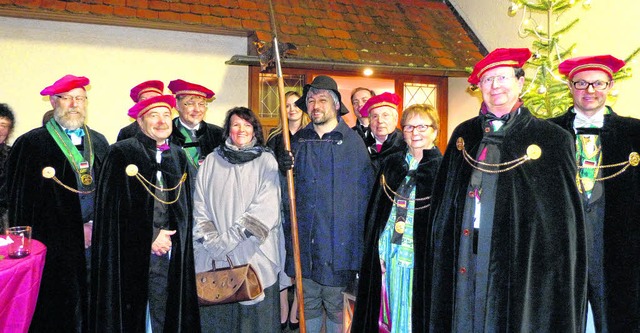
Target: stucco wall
x=607, y=28
x=35, y=53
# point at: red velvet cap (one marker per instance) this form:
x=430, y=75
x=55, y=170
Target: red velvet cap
x=138, y=110
x=384, y=99
x=64, y=84
x=499, y=58
x=605, y=63
x=144, y=87
x=181, y=87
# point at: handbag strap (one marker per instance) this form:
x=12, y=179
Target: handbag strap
x=213, y=263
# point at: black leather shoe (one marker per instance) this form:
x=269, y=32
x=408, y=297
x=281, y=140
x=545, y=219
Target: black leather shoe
x=283, y=326
x=294, y=326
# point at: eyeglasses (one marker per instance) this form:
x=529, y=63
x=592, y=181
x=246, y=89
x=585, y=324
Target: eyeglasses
x=502, y=79
x=200, y=105
x=69, y=98
x=420, y=128
x=584, y=85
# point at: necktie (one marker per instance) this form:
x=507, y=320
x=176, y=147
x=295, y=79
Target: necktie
x=378, y=147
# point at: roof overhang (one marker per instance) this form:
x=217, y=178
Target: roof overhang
x=245, y=60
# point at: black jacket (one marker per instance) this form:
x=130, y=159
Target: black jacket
x=395, y=170
x=123, y=232
x=537, y=276
x=619, y=137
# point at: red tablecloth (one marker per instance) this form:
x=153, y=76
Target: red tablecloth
x=19, y=285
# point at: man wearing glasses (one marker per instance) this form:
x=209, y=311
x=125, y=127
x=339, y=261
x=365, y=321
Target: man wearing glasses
x=609, y=183
x=51, y=175
x=507, y=230
x=197, y=137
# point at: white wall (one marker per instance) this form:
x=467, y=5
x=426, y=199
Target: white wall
x=35, y=53
x=609, y=27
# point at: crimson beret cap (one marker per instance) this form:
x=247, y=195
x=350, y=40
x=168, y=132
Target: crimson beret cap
x=142, y=107
x=144, y=87
x=606, y=63
x=499, y=58
x=181, y=87
x=384, y=99
x=64, y=84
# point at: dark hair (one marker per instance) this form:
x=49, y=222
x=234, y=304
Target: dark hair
x=6, y=112
x=518, y=71
x=247, y=115
x=354, y=91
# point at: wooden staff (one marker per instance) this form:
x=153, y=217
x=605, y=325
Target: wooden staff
x=284, y=120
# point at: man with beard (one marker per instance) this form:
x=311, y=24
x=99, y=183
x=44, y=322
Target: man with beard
x=142, y=91
x=333, y=180
x=50, y=182
x=144, y=276
x=610, y=195
x=508, y=247
x=197, y=137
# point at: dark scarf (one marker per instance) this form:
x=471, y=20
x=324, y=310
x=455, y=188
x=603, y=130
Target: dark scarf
x=235, y=155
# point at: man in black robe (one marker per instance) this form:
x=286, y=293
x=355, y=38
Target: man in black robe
x=611, y=198
x=384, y=137
x=140, y=92
x=50, y=181
x=507, y=238
x=197, y=137
x=143, y=273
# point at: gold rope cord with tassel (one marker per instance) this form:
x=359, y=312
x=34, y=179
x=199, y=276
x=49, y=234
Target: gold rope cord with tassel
x=634, y=160
x=533, y=153
x=50, y=173
x=388, y=189
x=132, y=171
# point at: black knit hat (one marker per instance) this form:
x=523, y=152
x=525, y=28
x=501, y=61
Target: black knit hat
x=321, y=82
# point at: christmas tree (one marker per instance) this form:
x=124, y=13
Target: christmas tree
x=546, y=92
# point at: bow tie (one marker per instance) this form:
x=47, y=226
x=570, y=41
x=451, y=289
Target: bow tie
x=163, y=147
x=490, y=117
x=581, y=121
x=78, y=132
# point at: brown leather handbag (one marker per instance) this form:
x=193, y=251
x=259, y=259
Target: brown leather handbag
x=228, y=285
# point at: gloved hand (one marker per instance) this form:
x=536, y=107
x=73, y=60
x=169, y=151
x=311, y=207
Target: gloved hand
x=285, y=160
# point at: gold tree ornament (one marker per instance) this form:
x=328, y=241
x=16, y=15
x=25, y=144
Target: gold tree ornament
x=542, y=90
x=513, y=9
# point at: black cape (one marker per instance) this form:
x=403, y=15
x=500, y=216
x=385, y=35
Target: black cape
x=123, y=231
x=394, y=143
x=395, y=169
x=209, y=137
x=619, y=137
x=537, y=276
x=55, y=215
x=128, y=131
